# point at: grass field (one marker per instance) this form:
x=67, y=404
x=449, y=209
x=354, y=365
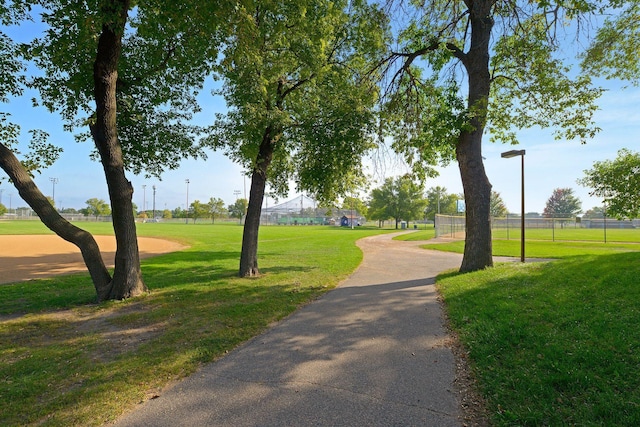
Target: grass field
x=570, y=234
x=553, y=343
x=66, y=361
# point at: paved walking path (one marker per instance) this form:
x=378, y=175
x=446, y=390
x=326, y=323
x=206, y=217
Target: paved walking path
x=372, y=352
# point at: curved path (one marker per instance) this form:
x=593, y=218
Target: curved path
x=372, y=352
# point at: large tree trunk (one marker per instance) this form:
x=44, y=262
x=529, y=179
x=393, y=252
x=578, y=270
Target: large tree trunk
x=477, y=189
x=249, y=255
x=56, y=223
x=127, y=277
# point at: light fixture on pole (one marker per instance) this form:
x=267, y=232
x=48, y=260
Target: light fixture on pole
x=508, y=155
x=154, y=203
x=144, y=200
x=187, y=205
x=54, y=181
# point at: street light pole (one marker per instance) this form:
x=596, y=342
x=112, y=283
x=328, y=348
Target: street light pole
x=187, y=205
x=507, y=155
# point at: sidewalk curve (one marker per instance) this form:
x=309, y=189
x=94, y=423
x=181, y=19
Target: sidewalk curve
x=372, y=352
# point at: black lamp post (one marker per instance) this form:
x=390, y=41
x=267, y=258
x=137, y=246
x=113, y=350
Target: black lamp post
x=507, y=155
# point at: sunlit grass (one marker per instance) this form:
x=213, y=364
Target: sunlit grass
x=541, y=249
x=554, y=343
x=66, y=361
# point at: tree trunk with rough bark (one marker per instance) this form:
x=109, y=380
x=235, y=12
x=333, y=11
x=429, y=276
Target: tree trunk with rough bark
x=56, y=223
x=477, y=189
x=249, y=254
x=127, y=277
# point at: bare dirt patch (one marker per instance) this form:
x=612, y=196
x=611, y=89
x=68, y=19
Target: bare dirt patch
x=28, y=257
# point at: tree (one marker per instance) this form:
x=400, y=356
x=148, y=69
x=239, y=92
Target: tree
x=238, y=208
x=41, y=155
x=498, y=208
x=3, y=209
x=166, y=214
x=97, y=207
x=300, y=101
x=617, y=182
x=595, y=213
x=440, y=202
x=508, y=53
x=399, y=198
x=562, y=204
x=613, y=53
x=136, y=89
x=199, y=210
x=355, y=204
x=216, y=208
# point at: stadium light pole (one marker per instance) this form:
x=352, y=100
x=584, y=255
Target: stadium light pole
x=54, y=181
x=154, y=202
x=187, y=205
x=508, y=155
x=144, y=201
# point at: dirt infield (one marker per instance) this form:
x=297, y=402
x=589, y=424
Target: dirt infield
x=35, y=257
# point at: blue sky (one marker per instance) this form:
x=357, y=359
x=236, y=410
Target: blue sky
x=549, y=164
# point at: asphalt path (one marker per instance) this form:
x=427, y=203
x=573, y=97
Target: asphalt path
x=372, y=352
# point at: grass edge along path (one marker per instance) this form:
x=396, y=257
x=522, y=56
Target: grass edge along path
x=553, y=343
x=65, y=361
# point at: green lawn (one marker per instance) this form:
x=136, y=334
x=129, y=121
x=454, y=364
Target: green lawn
x=541, y=249
x=553, y=343
x=66, y=361
x=570, y=233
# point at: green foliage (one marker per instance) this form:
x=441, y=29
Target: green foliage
x=3, y=209
x=618, y=183
x=595, y=212
x=238, y=208
x=440, y=202
x=497, y=208
x=532, y=87
x=167, y=53
x=197, y=209
x=552, y=343
x=96, y=207
x=400, y=199
x=216, y=208
x=562, y=204
x=613, y=54
x=356, y=204
x=295, y=78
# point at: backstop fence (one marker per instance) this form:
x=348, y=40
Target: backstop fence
x=575, y=228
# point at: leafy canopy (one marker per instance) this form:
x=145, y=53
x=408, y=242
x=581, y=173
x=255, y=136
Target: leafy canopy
x=167, y=53
x=400, y=198
x=294, y=75
x=617, y=182
x=562, y=204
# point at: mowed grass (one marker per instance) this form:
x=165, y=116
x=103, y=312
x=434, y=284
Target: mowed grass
x=66, y=361
x=570, y=233
x=555, y=343
x=541, y=249
x=552, y=343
